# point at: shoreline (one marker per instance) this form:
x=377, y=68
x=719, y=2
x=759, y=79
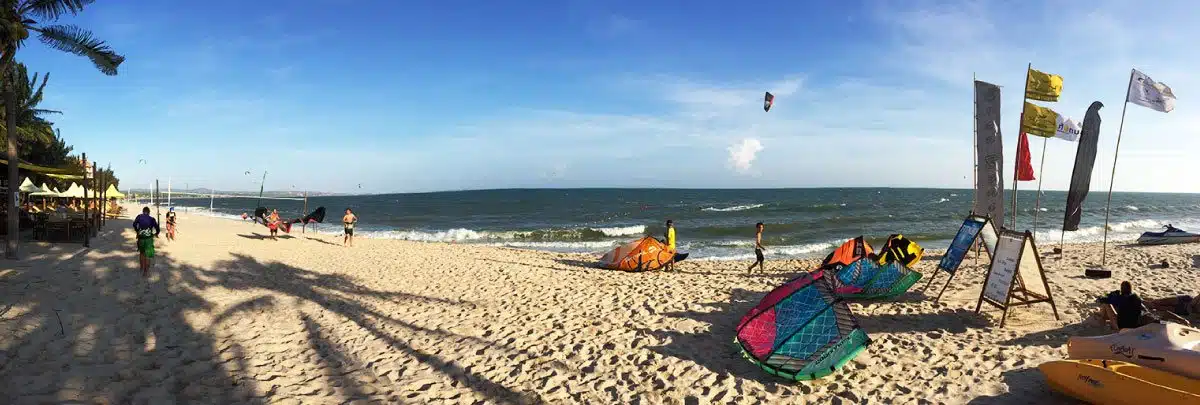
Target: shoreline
x=812, y=251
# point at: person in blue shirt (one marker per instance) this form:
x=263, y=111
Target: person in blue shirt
x=147, y=229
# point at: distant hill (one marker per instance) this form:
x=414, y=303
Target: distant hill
x=205, y=191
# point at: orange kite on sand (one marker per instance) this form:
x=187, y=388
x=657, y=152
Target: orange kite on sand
x=640, y=255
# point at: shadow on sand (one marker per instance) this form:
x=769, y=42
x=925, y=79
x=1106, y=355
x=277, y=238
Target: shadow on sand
x=256, y=236
x=713, y=348
x=102, y=350
x=1026, y=386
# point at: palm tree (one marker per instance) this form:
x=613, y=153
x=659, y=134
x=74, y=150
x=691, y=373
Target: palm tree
x=33, y=129
x=17, y=19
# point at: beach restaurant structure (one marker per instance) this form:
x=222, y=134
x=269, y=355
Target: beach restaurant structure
x=72, y=215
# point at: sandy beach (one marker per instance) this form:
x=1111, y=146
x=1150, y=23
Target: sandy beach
x=230, y=316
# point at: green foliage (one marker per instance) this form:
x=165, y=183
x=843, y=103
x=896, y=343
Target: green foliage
x=39, y=143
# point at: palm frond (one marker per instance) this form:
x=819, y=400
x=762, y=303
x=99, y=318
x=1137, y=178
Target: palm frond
x=40, y=111
x=51, y=10
x=76, y=40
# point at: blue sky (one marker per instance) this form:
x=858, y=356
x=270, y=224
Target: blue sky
x=425, y=95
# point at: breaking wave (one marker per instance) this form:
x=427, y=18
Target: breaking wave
x=733, y=208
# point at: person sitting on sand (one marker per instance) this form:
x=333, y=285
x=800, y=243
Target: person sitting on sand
x=1180, y=306
x=348, y=222
x=147, y=229
x=670, y=244
x=758, y=248
x=1122, y=309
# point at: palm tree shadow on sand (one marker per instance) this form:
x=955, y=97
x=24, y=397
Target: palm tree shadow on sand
x=131, y=341
x=714, y=348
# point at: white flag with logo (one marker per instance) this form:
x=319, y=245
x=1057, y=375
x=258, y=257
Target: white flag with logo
x=1067, y=129
x=1145, y=92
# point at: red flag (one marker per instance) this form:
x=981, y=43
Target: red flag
x=1024, y=167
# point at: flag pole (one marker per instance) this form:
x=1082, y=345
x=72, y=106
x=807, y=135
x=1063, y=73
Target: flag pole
x=1024, y=97
x=1112, y=177
x=974, y=147
x=1037, y=207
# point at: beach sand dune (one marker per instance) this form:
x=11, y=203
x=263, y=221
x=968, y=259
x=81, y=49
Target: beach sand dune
x=230, y=316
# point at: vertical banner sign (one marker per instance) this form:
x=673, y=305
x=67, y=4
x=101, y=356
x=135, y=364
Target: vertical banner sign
x=989, y=151
x=1085, y=158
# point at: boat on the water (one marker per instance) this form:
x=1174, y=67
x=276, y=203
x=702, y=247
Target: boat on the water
x=1170, y=236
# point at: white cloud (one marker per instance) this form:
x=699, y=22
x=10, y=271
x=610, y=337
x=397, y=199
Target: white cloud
x=742, y=154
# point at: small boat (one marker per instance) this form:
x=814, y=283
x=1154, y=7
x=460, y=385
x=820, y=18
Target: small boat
x=1170, y=236
x=1112, y=382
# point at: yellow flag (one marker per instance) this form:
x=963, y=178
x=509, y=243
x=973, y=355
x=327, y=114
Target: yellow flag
x=1040, y=121
x=1043, y=86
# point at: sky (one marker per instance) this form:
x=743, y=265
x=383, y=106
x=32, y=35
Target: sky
x=392, y=96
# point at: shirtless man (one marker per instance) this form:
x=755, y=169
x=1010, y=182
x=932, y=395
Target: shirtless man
x=348, y=222
x=758, y=248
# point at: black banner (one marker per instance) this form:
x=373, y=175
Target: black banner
x=1085, y=158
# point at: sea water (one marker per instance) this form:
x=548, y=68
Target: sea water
x=713, y=224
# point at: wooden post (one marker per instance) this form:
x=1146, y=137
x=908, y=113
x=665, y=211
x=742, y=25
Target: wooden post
x=304, y=226
x=95, y=194
x=87, y=231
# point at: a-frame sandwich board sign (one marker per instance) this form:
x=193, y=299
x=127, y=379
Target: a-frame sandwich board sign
x=1015, y=276
x=974, y=228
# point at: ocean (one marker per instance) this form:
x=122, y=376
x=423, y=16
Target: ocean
x=710, y=224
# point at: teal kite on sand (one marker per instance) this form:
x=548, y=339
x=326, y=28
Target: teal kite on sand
x=801, y=330
x=865, y=278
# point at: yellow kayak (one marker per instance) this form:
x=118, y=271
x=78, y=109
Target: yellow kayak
x=1111, y=382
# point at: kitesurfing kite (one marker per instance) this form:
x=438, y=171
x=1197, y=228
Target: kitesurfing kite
x=801, y=330
x=768, y=101
x=901, y=249
x=643, y=254
x=867, y=278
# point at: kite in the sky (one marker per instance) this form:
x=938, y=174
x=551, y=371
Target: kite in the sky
x=142, y=161
x=768, y=101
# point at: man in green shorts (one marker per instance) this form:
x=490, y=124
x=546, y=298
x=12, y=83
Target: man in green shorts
x=147, y=229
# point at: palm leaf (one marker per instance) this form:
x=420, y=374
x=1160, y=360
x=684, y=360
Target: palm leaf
x=76, y=40
x=51, y=10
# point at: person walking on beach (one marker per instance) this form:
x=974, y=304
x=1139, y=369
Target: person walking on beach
x=348, y=222
x=171, y=224
x=758, y=249
x=147, y=229
x=273, y=223
x=670, y=244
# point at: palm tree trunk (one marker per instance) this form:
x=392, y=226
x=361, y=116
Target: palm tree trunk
x=10, y=116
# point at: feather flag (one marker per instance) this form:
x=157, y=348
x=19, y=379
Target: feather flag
x=1042, y=86
x=1024, y=166
x=1081, y=176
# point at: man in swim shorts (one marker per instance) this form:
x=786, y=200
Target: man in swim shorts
x=147, y=229
x=348, y=222
x=758, y=248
